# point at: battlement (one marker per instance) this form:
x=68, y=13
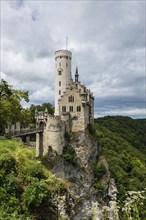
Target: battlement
x=45, y=115
x=63, y=51
x=63, y=54
x=54, y=117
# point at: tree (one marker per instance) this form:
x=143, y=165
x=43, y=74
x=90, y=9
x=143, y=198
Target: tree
x=11, y=110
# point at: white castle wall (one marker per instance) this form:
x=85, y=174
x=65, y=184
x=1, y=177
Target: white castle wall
x=63, y=63
x=54, y=134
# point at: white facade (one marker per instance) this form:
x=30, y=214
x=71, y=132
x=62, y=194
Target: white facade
x=63, y=74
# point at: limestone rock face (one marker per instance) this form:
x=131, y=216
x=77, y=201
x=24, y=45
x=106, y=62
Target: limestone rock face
x=83, y=200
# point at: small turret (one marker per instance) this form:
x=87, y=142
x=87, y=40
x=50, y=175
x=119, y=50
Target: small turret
x=46, y=112
x=36, y=113
x=76, y=75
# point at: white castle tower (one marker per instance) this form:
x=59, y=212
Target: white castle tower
x=63, y=74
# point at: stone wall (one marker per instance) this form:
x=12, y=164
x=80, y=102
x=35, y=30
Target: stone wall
x=53, y=136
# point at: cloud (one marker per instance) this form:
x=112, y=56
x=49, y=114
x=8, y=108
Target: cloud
x=43, y=95
x=107, y=40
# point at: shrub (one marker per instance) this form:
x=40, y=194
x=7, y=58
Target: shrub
x=12, y=185
x=69, y=154
x=7, y=163
x=91, y=129
x=36, y=171
x=34, y=193
x=99, y=170
x=98, y=186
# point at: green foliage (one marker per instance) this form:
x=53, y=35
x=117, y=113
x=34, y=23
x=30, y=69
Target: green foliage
x=26, y=185
x=99, y=186
x=99, y=170
x=129, y=129
x=11, y=109
x=91, y=129
x=69, y=154
x=7, y=163
x=127, y=161
x=36, y=170
x=34, y=193
x=133, y=205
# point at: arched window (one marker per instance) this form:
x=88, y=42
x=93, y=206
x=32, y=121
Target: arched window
x=59, y=72
x=59, y=83
x=71, y=98
x=59, y=92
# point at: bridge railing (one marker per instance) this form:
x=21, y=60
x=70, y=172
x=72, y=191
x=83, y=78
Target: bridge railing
x=23, y=131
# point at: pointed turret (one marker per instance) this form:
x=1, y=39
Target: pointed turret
x=76, y=75
x=46, y=112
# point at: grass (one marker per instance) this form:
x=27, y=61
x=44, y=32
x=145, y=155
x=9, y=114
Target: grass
x=25, y=158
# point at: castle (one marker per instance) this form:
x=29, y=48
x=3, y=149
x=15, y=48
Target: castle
x=74, y=108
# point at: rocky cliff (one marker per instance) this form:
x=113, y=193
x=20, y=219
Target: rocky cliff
x=91, y=193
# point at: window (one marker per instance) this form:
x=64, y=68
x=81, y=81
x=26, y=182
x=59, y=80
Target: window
x=59, y=83
x=78, y=108
x=63, y=108
x=60, y=72
x=71, y=98
x=59, y=92
x=71, y=108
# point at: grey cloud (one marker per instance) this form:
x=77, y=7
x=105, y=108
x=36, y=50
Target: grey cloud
x=107, y=40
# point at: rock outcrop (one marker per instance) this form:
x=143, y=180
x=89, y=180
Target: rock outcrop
x=83, y=200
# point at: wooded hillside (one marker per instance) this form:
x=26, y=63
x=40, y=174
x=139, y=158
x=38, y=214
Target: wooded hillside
x=123, y=143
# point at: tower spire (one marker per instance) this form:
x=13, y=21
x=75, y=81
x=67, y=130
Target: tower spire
x=76, y=75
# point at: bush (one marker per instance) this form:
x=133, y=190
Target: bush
x=12, y=185
x=99, y=170
x=69, y=154
x=98, y=186
x=36, y=171
x=34, y=193
x=7, y=163
x=91, y=129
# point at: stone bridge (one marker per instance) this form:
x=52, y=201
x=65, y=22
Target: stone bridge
x=24, y=134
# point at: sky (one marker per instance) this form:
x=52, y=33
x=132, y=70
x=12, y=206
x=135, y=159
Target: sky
x=107, y=41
